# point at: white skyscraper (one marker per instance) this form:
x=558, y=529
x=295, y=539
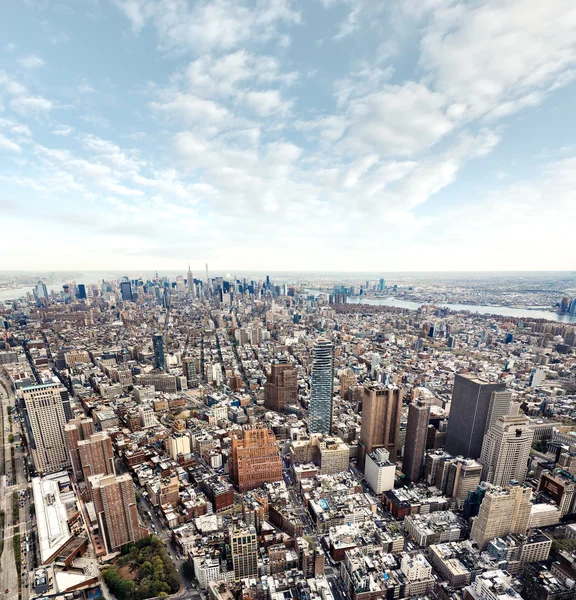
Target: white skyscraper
x=322, y=384
x=506, y=449
x=45, y=418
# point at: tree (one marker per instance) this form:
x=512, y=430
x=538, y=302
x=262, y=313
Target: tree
x=11, y=438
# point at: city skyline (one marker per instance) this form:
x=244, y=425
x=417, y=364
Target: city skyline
x=320, y=135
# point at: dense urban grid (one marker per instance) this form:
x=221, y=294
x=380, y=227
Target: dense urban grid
x=226, y=438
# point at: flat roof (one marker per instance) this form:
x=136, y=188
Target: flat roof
x=51, y=515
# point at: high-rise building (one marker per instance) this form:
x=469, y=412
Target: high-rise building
x=97, y=455
x=190, y=283
x=116, y=510
x=472, y=409
x=158, y=346
x=506, y=449
x=281, y=387
x=415, y=444
x=381, y=285
x=322, y=387
x=503, y=511
x=380, y=427
x=244, y=549
x=41, y=291
x=74, y=431
x=81, y=295
x=463, y=477
x=44, y=418
x=126, y=290
x=560, y=487
x=255, y=459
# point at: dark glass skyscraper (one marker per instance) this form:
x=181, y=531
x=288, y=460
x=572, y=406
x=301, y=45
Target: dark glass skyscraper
x=158, y=345
x=475, y=405
x=126, y=290
x=322, y=385
x=415, y=444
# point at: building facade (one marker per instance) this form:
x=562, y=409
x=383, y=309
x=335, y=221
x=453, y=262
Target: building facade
x=281, y=387
x=380, y=427
x=472, y=409
x=322, y=387
x=45, y=419
x=255, y=459
x=415, y=444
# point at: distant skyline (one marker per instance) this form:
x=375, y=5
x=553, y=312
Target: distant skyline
x=293, y=135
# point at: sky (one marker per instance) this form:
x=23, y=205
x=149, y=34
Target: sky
x=340, y=135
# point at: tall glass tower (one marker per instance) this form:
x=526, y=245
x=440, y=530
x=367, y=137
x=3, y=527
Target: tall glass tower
x=158, y=345
x=322, y=385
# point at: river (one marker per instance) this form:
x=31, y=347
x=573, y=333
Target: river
x=505, y=311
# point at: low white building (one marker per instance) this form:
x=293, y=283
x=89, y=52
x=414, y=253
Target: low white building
x=379, y=472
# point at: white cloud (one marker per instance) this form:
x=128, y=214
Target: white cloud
x=497, y=56
x=7, y=144
x=30, y=61
x=399, y=120
x=266, y=102
x=64, y=130
x=204, y=25
x=191, y=109
x=31, y=105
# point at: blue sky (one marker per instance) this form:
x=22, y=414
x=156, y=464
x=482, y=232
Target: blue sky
x=288, y=134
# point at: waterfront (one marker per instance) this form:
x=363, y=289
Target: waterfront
x=482, y=310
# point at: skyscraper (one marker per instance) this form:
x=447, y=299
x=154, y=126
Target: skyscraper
x=126, y=290
x=190, y=283
x=381, y=285
x=281, y=387
x=380, y=427
x=97, y=455
x=255, y=459
x=506, y=449
x=116, y=511
x=158, y=345
x=81, y=291
x=244, y=548
x=472, y=409
x=44, y=419
x=74, y=431
x=503, y=511
x=322, y=384
x=415, y=444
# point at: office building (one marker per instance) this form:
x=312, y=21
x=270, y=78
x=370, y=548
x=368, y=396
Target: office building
x=244, y=549
x=41, y=291
x=503, y=511
x=158, y=346
x=97, y=455
x=81, y=295
x=415, y=444
x=126, y=290
x=281, y=387
x=506, y=449
x=116, y=511
x=560, y=487
x=473, y=408
x=381, y=285
x=380, y=427
x=379, y=472
x=45, y=419
x=74, y=431
x=322, y=384
x=190, y=284
x=464, y=475
x=255, y=459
